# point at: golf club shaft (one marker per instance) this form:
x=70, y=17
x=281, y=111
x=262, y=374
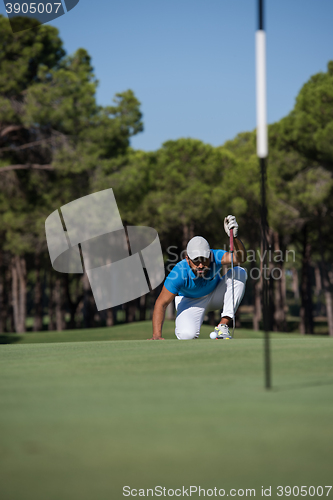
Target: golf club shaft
x=232, y=278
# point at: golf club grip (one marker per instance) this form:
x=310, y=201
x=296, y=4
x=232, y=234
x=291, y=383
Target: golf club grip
x=231, y=240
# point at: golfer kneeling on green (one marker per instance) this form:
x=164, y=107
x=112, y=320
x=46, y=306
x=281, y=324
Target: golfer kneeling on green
x=197, y=286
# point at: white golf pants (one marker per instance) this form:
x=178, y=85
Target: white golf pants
x=191, y=312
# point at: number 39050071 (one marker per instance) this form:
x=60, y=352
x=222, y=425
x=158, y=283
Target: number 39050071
x=32, y=8
x=303, y=491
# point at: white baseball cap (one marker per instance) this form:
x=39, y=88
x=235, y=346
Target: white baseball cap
x=198, y=247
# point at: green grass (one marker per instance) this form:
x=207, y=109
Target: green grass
x=80, y=420
x=140, y=330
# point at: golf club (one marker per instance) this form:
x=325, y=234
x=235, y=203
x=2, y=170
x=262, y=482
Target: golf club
x=232, y=278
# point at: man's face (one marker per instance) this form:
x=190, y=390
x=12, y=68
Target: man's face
x=200, y=266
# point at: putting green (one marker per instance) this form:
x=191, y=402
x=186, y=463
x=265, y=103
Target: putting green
x=80, y=420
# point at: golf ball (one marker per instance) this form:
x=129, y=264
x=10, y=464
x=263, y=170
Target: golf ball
x=213, y=335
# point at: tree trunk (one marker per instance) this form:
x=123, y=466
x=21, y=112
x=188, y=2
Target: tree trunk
x=59, y=305
x=318, y=283
x=326, y=285
x=2, y=297
x=211, y=318
x=295, y=283
x=318, y=289
x=19, y=287
x=271, y=287
x=51, y=325
x=238, y=323
x=330, y=276
x=110, y=317
x=87, y=309
x=327, y=293
x=306, y=312
x=257, y=305
x=328, y=300
x=279, y=280
x=329, y=311
x=152, y=299
x=130, y=310
x=8, y=286
x=256, y=274
x=73, y=305
x=280, y=302
x=38, y=306
x=143, y=307
x=188, y=233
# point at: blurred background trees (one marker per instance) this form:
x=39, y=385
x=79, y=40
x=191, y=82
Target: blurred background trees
x=57, y=144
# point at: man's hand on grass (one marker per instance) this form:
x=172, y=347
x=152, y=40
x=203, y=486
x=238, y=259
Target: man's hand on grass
x=156, y=338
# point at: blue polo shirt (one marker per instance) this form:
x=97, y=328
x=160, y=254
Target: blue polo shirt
x=182, y=280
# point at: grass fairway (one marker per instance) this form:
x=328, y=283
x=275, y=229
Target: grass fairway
x=80, y=420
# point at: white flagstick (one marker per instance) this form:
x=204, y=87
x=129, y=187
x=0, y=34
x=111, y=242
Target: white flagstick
x=232, y=278
x=262, y=143
x=262, y=152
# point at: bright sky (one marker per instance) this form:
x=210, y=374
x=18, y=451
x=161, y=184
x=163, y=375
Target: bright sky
x=191, y=62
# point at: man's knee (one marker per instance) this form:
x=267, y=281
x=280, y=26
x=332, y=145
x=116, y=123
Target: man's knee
x=186, y=335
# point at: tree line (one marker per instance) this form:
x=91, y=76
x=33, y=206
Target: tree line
x=57, y=145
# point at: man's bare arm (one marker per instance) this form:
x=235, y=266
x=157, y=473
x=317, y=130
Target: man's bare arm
x=162, y=302
x=239, y=254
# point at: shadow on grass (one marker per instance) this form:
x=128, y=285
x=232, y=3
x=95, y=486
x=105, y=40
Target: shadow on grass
x=9, y=339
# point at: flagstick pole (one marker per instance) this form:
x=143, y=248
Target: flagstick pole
x=262, y=152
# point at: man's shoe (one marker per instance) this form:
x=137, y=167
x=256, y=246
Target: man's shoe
x=221, y=332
